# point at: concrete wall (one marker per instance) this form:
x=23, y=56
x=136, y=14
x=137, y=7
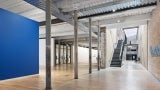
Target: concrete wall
x=111, y=39
x=154, y=40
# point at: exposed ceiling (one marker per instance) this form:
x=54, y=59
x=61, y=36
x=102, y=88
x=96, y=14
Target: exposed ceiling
x=117, y=6
x=27, y=10
x=23, y=8
x=108, y=13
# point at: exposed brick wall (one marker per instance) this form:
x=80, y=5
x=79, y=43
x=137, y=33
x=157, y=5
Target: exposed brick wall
x=154, y=40
x=103, y=47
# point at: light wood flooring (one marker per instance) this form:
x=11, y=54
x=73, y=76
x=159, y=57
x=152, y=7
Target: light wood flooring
x=131, y=76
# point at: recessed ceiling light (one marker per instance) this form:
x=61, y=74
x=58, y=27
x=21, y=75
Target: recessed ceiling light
x=114, y=10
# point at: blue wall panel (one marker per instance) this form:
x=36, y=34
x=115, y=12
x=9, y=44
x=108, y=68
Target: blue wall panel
x=19, y=46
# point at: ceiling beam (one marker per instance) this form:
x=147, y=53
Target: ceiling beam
x=120, y=10
x=53, y=21
x=59, y=34
x=72, y=36
x=57, y=13
x=123, y=19
x=80, y=40
x=126, y=24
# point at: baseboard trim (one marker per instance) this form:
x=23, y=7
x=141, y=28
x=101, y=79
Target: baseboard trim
x=16, y=78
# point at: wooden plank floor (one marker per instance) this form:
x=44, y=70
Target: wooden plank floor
x=131, y=76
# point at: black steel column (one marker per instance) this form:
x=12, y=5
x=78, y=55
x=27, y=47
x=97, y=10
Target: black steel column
x=90, y=47
x=48, y=45
x=75, y=45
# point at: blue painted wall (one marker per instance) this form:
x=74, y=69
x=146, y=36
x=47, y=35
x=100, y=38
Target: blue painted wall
x=19, y=46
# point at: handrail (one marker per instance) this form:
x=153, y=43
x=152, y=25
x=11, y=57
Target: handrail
x=120, y=55
x=115, y=45
x=110, y=60
x=122, y=47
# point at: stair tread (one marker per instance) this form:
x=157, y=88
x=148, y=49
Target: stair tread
x=115, y=65
x=116, y=61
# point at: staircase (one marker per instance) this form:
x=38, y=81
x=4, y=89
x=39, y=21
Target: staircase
x=117, y=55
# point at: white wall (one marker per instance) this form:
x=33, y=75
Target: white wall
x=42, y=52
x=111, y=37
x=83, y=55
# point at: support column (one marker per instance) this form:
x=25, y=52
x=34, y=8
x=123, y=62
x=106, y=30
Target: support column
x=63, y=55
x=98, y=57
x=147, y=45
x=48, y=45
x=71, y=52
x=66, y=54
x=55, y=55
x=59, y=52
x=75, y=45
x=90, y=47
x=158, y=2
